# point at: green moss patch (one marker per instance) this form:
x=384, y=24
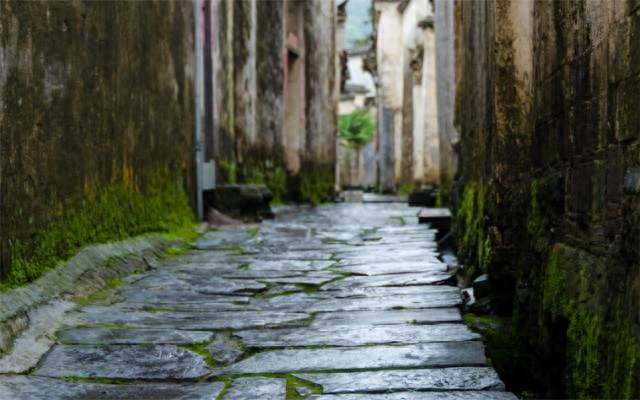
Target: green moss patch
x=601, y=353
x=317, y=184
x=101, y=215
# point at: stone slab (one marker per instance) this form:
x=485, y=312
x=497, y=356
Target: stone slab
x=132, y=336
x=309, y=279
x=427, y=278
x=372, y=318
x=372, y=357
x=394, y=268
x=460, y=395
x=358, y=335
x=196, y=320
x=123, y=362
x=458, y=378
x=379, y=291
x=178, y=296
x=257, y=388
x=41, y=388
x=383, y=303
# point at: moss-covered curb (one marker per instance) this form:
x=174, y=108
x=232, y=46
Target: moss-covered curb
x=80, y=276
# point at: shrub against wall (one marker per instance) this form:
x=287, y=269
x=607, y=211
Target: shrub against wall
x=357, y=128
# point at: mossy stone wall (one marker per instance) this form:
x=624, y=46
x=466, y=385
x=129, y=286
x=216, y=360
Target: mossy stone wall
x=96, y=125
x=548, y=197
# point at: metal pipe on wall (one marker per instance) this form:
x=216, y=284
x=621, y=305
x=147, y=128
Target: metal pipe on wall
x=198, y=112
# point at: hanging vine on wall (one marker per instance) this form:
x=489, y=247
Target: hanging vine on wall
x=357, y=128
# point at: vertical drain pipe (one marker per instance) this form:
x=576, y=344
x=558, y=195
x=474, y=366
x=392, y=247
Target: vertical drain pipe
x=198, y=100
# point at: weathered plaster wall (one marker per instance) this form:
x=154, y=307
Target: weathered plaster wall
x=406, y=65
x=275, y=100
x=95, y=97
x=446, y=86
x=549, y=163
x=389, y=61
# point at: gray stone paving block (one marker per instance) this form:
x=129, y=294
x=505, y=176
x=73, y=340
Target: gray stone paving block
x=458, y=378
x=460, y=395
x=394, y=268
x=168, y=295
x=257, y=388
x=417, y=316
x=224, y=286
x=197, y=320
x=132, y=336
x=309, y=279
x=373, y=255
x=384, y=303
x=379, y=291
x=283, y=289
x=123, y=362
x=20, y=387
x=221, y=239
x=357, y=335
x=371, y=357
x=424, y=278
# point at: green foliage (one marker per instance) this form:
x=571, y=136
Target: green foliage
x=100, y=215
x=554, y=284
x=274, y=177
x=201, y=349
x=443, y=199
x=601, y=355
x=357, y=127
x=229, y=172
x=405, y=189
x=317, y=184
x=474, y=243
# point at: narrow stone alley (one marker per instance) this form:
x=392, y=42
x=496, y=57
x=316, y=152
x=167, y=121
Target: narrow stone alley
x=344, y=301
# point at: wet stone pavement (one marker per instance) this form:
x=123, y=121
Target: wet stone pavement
x=341, y=302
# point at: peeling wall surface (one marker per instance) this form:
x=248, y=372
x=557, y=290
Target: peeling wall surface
x=548, y=198
x=92, y=95
x=275, y=103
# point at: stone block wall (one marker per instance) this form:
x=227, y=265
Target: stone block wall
x=96, y=125
x=547, y=201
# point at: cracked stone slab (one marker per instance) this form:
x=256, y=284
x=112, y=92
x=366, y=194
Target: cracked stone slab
x=257, y=388
x=123, y=362
x=358, y=335
x=460, y=395
x=348, y=358
x=132, y=336
x=215, y=285
x=196, y=320
x=416, y=316
x=458, y=378
x=41, y=388
x=425, y=278
x=394, y=268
